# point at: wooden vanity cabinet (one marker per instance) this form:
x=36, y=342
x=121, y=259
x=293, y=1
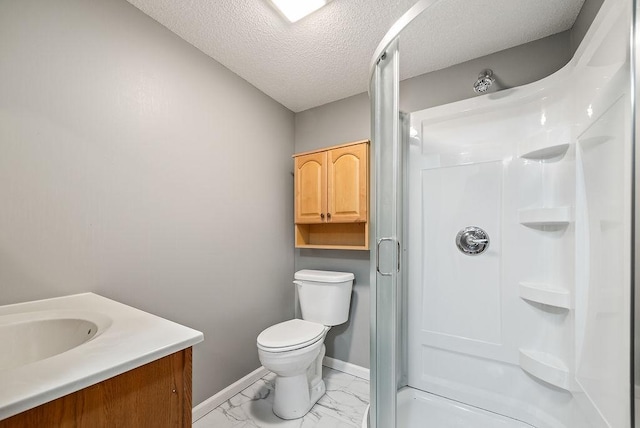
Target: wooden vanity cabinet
x=332, y=197
x=155, y=395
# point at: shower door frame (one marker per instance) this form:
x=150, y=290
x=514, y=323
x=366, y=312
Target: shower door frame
x=635, y=213
x=386, y=222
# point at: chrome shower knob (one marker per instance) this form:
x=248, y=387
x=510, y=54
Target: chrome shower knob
x=472, y=240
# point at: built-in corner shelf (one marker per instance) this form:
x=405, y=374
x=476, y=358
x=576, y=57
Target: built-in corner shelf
x=542, y=150
x=545, y=294
x=594, y=141
x=547, y=368
x=536, y=217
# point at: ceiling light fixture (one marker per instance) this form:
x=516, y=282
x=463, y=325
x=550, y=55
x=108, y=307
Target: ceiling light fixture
x=295, y=10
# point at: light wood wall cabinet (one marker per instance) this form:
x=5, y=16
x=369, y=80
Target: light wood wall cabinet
x=332, y=197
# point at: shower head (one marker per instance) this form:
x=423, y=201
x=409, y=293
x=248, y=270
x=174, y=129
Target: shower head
x=485, y=80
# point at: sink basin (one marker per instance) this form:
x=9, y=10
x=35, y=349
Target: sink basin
x=54, y=347
x=34, y=336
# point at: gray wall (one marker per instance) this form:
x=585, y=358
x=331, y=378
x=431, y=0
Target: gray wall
x=134, y=166
x=349, y=119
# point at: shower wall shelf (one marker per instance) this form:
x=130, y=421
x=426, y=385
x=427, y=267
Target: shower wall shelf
x=542, y=150
x=547, y=368
x=594, y=141
x=534, y=217
x=545, y=294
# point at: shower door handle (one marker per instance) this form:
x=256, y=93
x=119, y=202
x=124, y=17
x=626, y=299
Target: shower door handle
x=380, y=241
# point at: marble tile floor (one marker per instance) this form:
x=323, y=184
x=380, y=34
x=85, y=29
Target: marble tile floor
x=342, y=406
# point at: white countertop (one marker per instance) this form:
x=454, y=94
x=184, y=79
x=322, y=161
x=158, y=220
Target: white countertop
x=133, y=338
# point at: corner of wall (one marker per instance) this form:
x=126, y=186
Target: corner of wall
x=588, y=12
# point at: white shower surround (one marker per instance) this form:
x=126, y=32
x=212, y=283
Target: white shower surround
x=537, y=328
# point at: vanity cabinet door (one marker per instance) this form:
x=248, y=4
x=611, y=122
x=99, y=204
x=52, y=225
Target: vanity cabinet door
x=157, y=394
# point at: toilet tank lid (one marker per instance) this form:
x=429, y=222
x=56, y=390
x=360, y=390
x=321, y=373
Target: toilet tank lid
x=323, y=276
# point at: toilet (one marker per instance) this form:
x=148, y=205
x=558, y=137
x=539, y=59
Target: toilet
x=294, y=349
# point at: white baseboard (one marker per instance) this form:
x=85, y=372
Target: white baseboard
x=214, y=401
x=345, y=367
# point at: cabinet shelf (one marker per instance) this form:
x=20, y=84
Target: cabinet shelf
x=547, y=368
x=336, y=236
x=545, y=294
x=536, y=217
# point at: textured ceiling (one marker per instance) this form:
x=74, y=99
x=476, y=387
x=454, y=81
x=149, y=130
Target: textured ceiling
x=325, y=56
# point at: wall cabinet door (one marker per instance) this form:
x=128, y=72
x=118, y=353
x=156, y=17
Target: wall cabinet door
x=311, y=188
x=347, y=184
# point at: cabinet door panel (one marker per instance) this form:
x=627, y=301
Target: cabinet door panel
x=347, y=184
x=310, y=188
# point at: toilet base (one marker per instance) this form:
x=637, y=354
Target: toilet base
x=296, y=395
x=295, y=406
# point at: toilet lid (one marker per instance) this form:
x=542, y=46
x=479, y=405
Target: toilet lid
x=289, y=335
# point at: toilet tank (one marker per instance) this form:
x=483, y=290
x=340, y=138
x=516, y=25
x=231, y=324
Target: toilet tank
x=324, y=295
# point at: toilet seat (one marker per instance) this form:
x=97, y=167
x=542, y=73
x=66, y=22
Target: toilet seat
x=291, y=335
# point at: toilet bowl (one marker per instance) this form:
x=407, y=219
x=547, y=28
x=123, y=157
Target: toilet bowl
x=298, y=366
x=294, y=349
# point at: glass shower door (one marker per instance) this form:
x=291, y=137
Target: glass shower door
x=385, y=256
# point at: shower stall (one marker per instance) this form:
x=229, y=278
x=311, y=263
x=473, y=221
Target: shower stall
x=502, y=274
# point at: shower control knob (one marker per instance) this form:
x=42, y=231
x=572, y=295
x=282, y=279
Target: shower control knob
x=472, y=240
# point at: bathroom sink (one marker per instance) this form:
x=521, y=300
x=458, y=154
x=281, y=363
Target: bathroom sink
x=54, y=347
x=34, y=336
